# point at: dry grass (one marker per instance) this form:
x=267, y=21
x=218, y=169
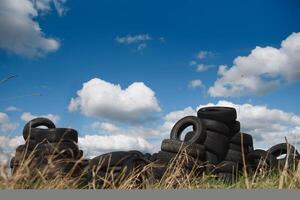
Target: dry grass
x=175, y=177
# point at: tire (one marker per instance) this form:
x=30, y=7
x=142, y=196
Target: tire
x=195, y=150
x=247, y=139
x=234, y=128
x=238, y=148
x=228, y=167
x=255, y=156
x=63, y=150
x=165, y=156
x=198, y=129
x=111, y=159
x=217, y=144
x=53, y=135
x=211, y=158
x=188, y=136
x=216, y=126
x=281, y=149
x=234, y=156
x=40, y=121
x=221, y=114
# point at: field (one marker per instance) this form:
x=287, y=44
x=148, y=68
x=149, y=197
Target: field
x=174, y=178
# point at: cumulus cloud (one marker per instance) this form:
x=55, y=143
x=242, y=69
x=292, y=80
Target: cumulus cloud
x=20, y=33
x=94, y=145
x=195, y=83
x=262, y=71
x=6, y=126
x=268, y=126
x=102, y=99
x=12, y=109
x=8, y=146
x=27, y=116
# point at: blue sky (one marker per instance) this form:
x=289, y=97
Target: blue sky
x=166, y=40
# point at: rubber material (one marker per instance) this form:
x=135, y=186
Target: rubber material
x=188, y=136
x=53, y=135
x=235, y=156
x=218, y=113
x=107, y=160
x=217, y=144
x=247, y=139
x=198, y=129
x=195, y=150
x=228, y=167
x=211, y=158
x=234, y=128
x=282, y=148
x=64, y=149
x=216, y=126
x=237, y=147
x=40, y=121
x=255, y=156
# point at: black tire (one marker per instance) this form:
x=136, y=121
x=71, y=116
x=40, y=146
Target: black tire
x=211, y=158
x=58, y=150
x=111, y=159
x=40, y=121
x=234, y=156
x=282, y=148
x=216, y=126
x=198, y=129
x=53, y=135
x=217, y=113
x=195, y=150
x=254, y=157
x=228, y=167
x=165, y=156
x=217, y=144
x=237, y=147
x=188, y=136
x=247, y=139
x=234, y=128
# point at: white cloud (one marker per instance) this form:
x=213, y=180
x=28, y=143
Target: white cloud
x=12, y=109
x=162, y=40
x=267, y=126
x=6, y=126
x=105, y=126
x=46, y=5
x=193, y=63
x=204, y=54
x=195, y=84
x=94, y=145
x=202, y=67
x=133, y=39
x=20, y=33
x=262, y=71
x=27, y=116
x=102, y=99
x=8, y=146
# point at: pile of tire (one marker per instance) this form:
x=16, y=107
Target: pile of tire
x=217, y=142
x=192, y=147
x=116, y=167
x=49, y=152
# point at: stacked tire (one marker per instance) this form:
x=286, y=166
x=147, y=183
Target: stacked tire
x=48, y=151
x=115, y=167
x=191, y=145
